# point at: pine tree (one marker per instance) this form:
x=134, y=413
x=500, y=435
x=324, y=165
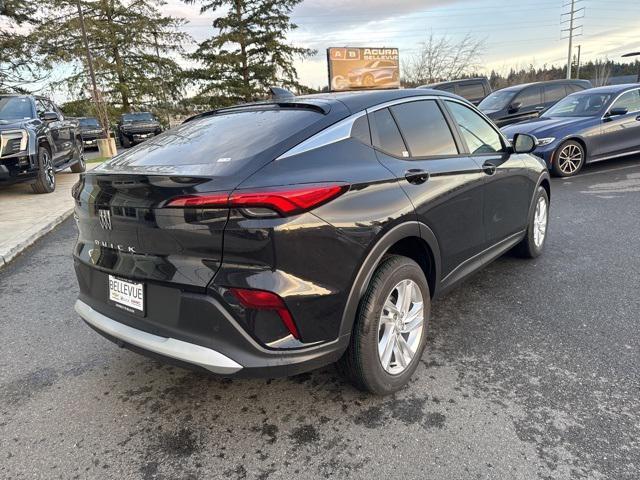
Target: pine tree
x=249, y=53
x=134, y=48
x=17, y=62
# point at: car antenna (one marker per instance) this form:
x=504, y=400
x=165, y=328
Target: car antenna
x=279, y=93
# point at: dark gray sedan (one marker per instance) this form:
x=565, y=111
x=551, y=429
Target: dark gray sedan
x=590, y=126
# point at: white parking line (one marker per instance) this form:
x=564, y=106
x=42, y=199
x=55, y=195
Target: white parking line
x=608, y=170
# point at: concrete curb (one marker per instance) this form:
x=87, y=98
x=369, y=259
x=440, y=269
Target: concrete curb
x=22, y=245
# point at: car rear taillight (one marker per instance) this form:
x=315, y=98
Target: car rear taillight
x=263, y=300
x=283, y=201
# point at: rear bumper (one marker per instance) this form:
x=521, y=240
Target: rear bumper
x=194, y=330
x=169, y=347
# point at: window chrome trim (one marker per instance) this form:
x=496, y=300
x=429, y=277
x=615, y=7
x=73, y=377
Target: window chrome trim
x=475, y=109
x=616, y=99
x=335, y=133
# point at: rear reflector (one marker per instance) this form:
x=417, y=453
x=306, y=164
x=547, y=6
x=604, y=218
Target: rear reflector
x=289, y=201
x=263, y=300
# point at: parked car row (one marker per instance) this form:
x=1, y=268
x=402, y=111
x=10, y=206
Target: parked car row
x=588, y=126
x=37, y=139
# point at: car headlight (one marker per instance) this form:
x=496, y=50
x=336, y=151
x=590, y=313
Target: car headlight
x=545, y=141
x=13, y=142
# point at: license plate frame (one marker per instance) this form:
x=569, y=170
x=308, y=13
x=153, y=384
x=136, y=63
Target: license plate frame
x=127, y=295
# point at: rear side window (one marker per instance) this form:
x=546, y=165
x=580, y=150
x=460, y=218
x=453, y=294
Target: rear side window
x=530, y=97
x=553, y=93
x=425, y=129
x=360, y=130
x=471, y=91
x=385, y=134
x=572, y=88
x=447, y=88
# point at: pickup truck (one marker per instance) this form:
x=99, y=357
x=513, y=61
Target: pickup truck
x=36, y=141
x=136, y=127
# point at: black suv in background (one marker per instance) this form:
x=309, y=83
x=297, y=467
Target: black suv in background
x=137, y=127
x=90, y=131
x=527, y=101
x=473, y=89
x=36, y=141
x=276, y=237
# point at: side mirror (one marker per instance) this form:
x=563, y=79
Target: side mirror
x=50, y=117
x=524, y=143
x=614, y=112
x=514, y=107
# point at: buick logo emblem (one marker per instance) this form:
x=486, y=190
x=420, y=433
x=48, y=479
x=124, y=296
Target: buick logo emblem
x=105, y=219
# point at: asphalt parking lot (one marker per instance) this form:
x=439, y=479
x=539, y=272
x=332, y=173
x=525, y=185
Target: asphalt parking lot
x=532, y=370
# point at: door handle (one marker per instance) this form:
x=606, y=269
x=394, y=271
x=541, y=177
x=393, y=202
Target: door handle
x=638, y=118
x=488, y=168
x=416, y=176
x=539, y=109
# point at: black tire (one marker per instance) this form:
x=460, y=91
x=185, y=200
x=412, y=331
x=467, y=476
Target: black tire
x=80, y=166
x=361, y=362
x=46, y=179
x=528, y=247
x=561, y=167
x=125, y=142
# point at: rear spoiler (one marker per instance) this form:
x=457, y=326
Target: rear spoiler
x=280, y=98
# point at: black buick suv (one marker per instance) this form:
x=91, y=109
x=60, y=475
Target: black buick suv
x=273, y=238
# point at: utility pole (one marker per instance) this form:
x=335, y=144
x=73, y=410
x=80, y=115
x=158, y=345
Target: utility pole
x=162, y=87
x=572, y=28
x=578, y=63
x=97, y=99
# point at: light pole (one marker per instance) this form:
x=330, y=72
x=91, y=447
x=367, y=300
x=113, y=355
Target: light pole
x=634, y=54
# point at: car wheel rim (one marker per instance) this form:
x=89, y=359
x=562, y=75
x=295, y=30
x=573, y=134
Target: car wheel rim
x=570, y=159
x=540, y=222
x=47, y=165
x=401, y=327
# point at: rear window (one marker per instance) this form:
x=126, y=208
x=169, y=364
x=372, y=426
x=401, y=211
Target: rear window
x=213, y=144
x=553, y=93
x=424, y=128
x=471, y=91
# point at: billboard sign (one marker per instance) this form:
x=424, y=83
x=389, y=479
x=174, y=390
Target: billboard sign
x=363, y=68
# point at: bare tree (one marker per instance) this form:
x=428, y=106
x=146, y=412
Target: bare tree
x=602, y=72
x=440, y=58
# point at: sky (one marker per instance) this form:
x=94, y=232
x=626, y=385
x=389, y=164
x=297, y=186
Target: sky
x=517, y=33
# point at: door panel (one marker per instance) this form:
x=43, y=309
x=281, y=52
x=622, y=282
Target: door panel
x=64, y=134
x=507, y=190
x=449, y=202
x=444, y=186
x=621, y=133
x=56, y=130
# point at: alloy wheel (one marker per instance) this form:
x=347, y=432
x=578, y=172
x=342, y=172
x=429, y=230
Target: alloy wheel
x=47, y=166
x=570, y=159
x=540, y=219
x=401, y=327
